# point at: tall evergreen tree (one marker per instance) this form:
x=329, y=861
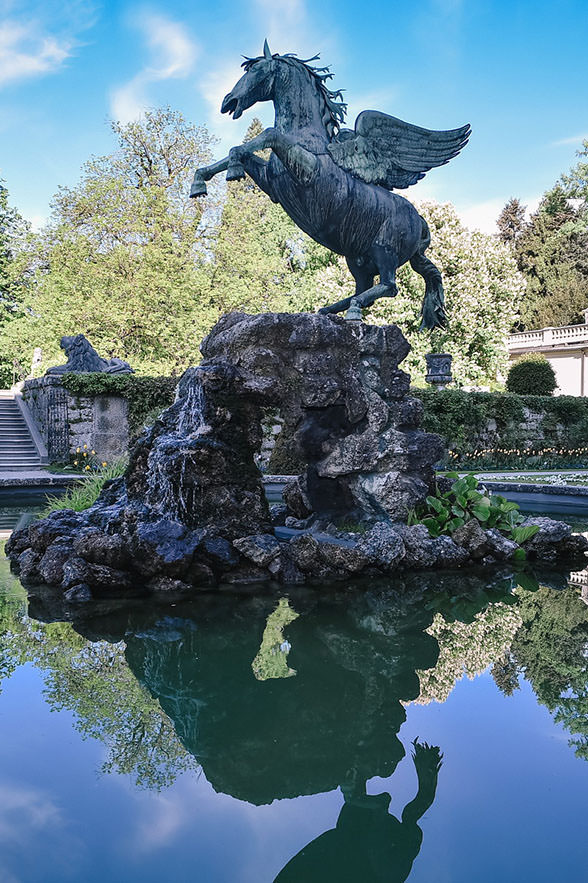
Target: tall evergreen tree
x=552, y=252
x=511, y=221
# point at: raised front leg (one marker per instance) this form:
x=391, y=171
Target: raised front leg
x=427, y=760
x=301, y=163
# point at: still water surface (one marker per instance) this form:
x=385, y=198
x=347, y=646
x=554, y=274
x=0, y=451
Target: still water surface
x=260, y=738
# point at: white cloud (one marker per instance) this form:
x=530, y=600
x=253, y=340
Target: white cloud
x=26, y=53
x=175, y=53
x=573, y=139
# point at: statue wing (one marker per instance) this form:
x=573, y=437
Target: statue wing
x=387, y=151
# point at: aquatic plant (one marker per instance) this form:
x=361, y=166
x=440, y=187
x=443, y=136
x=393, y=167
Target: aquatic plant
x=447, y=510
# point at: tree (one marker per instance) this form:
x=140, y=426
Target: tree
x=483, y=289
x=92, y=680
x=552, y=252
x=13, y=276
x=123, y=259
x=550, y=650
x=511, y=221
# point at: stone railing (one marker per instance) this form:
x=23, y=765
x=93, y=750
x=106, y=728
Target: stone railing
x=565, y=335
x=100, y=422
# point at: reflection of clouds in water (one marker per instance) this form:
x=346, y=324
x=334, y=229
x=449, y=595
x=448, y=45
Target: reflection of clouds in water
x=24, y=809
x=28, y=816
x=161, y=821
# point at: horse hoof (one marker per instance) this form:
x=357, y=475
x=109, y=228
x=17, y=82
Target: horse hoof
x=198, y=188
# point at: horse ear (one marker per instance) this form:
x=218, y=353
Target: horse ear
x=266, y=51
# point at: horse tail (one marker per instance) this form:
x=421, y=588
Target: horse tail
x=433, y=309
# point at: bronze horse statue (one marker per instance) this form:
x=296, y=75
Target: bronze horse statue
x=336, y=183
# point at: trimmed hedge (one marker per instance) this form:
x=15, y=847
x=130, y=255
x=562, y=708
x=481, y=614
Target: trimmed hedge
x=532, y=374
x=146, y=396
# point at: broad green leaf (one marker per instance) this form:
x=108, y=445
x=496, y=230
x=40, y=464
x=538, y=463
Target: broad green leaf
x=522, y=534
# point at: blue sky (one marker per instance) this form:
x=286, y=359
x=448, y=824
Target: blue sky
x=514, y=69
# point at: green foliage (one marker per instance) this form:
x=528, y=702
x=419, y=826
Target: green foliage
x=532, y=374
x=511, y=221
x=549, y=649
x=552, y=253
x=123, y=258
x=13, y=276
x=146, y=396
x=261, y=260
x=84, y=493
x=448, y=510
x=271, y=660
x=92, y=680
x=483, y=289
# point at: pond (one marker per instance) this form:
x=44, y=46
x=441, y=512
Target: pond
x=296, y=736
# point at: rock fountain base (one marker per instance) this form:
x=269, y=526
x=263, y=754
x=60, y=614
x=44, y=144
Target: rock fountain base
x=190, y=512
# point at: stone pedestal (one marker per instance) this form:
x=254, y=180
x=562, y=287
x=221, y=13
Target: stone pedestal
x=345, y=404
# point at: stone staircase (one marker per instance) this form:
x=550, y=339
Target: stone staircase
x=18, y=451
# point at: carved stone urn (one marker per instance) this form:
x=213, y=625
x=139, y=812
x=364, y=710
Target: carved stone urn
x=438, y=369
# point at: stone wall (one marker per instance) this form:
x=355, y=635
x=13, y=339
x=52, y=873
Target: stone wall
x=100, y=422
x=476, y=421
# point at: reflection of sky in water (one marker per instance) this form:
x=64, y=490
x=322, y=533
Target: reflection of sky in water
x=510, y=804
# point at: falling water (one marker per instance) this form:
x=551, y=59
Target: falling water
x=164, y=495
x=191, y=417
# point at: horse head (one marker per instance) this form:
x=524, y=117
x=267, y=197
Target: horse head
x=256, y=84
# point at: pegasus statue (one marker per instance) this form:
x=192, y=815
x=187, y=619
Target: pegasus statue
x=335, y=183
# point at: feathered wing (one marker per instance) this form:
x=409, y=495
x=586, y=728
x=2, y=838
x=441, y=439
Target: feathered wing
x=387, y=151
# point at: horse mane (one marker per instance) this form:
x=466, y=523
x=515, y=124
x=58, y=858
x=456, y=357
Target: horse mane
x=335, y=107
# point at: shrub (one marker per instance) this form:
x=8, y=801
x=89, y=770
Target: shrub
x=532, y=374
x=557, y=440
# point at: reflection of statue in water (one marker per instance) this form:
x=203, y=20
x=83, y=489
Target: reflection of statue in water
x=368, y=844
x=275, y=702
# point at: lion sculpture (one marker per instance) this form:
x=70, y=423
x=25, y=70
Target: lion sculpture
x=83, y=358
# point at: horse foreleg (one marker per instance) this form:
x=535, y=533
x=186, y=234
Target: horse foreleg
x=256, y=168
x=201, y=176
x=300, y=162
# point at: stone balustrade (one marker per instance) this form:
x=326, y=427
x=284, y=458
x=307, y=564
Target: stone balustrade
x=565, y=335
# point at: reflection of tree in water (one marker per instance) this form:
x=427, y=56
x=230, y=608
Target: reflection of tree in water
x=551, y=650
x=93, y=680
x=272, y=657
x=467, y=648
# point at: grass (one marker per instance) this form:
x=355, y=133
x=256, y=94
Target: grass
x=84, y=493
